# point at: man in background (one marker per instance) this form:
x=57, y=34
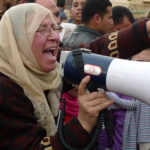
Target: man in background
x=76, y=11
x=122, y=18
x=96, y=21
x=75, y=14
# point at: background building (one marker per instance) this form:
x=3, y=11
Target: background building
x=137, y=7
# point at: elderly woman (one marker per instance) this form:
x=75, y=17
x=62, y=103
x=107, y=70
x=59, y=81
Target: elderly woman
x=30, y=85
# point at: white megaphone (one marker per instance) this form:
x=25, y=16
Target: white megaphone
x=130, y=78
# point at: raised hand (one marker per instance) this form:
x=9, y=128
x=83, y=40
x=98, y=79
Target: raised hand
x=90, y=104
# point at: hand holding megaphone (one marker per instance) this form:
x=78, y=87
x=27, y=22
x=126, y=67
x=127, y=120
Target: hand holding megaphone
x=90, y=105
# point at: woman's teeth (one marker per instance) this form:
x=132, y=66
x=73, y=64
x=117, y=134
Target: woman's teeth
x=51, y=50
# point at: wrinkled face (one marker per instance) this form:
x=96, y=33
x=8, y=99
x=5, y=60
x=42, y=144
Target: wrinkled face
x=51, y=5
x=106, y=22
x=45, y=45
x=124, y=24
x=76, y=10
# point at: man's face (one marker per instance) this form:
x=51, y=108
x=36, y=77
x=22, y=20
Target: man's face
x=106, y=22
x=51, y=5
x=76, y=10
x=124, y=24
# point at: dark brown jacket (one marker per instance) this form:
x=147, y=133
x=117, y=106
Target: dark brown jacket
x=18, y=125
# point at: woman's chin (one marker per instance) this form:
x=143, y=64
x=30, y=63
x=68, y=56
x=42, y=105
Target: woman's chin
x=49, y=69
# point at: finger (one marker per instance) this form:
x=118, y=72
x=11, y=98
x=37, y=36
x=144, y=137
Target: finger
x=96, y=102
x=104, y=105
x=82, y=86
x=96, y=95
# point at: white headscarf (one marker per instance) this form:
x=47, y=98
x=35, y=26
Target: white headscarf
x=17, y=30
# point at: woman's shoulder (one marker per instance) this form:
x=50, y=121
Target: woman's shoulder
x=5, y=81
x=11, y=93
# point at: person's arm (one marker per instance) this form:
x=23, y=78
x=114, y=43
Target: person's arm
x=123, y=103
x=124, y=43
x=20, y=130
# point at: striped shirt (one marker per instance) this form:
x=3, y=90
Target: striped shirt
x=136, y=126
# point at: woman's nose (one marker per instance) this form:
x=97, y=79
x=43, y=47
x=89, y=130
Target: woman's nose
x=54, y=35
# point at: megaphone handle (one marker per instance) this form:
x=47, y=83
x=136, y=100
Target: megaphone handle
x=104, y=115
x=61, y=130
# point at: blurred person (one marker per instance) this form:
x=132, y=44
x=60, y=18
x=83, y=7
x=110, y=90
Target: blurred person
x=75, y=14
x=30, y=85
x=49, y=4
x=96, y=19
x=76, y=11
x=61, y=7
x=67, y=28
x=123, y=43
x=122, y=18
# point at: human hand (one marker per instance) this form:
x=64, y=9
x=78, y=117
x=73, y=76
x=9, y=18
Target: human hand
x=90, y=104
x=142, y=56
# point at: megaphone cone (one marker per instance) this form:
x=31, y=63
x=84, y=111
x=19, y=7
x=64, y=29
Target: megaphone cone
x=131, y=78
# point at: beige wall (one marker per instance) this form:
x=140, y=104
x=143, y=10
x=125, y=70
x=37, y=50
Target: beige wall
x=138, y=7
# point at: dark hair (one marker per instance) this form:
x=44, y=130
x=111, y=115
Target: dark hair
x=30, y=1
x=119, y=12
x=60, y=3
x=92, y=7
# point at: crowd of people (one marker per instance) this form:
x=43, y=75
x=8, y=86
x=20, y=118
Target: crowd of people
x=32, y=34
